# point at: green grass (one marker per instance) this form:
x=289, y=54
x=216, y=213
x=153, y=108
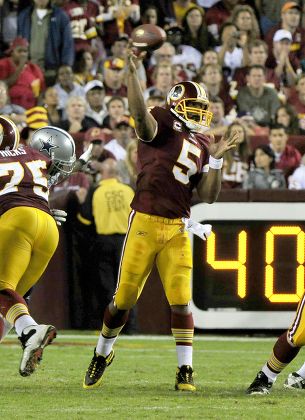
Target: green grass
x=139, y=384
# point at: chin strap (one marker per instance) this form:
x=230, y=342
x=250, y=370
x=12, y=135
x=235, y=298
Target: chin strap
x=203, y=231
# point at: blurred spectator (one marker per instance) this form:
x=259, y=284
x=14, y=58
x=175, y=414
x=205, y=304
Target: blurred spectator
x=122, y=133
x=258, y=54
x=114, y=77
x=51, y=103
x=117, y=17
x=8, y=23
x=291, y=22
x=209, y=57
x=47, y=29
x=97, y=138
x=24, y=78
x=95, y=95
x=150, y=15
x=36, y=117
x=82, y=14
x=127, y=168
x=269, y=12
x=285, y=65
x=244, y=18
x=15, y=112
x=77, y=123
x=219, y=123
x=296, y=181
x=116, y=107
x=263, y=174
x=83, y=67
x=230, y=55
x=188, y=57
x=66, y=86
x=155, y=100
x=119, y=50
x=236, y=161
x=162, y=78
x=286, y=116
x=195, y=30
x=297, y=100
x=211, y=76
x=287, y=157
x=166, y=14
x=218, y=14
x=181, y=7
x=256, y=99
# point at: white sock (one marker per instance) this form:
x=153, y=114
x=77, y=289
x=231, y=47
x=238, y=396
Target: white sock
x=271, y=375
x=104, y=345
x=301, y=371
x=184, y=355
x=22, y=322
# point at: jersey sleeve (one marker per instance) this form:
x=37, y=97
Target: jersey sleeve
x=159, y=115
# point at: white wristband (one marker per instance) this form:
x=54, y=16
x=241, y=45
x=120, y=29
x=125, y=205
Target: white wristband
x=215, y=163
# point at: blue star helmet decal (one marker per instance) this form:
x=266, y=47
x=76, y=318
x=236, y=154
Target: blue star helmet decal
x=47, y=146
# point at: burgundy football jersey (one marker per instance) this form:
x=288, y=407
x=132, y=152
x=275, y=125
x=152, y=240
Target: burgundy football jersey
x=23, y=179
x=170, y=166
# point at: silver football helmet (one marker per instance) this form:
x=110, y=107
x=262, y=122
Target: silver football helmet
x=59, y=146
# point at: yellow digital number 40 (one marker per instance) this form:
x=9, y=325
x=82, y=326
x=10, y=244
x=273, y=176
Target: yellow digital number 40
x=240, y=263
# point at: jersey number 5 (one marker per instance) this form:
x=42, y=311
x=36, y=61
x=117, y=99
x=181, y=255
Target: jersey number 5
x=184, y=159
x=40, y=182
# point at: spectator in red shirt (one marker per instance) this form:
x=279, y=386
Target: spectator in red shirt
x=287, y=157
x=290, y=21
x=114, y=78
x=24, y=79
x=258, y=54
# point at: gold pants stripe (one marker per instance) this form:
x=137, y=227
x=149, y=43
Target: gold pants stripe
x=296, y=333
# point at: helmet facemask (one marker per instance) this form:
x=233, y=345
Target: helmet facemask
x=195, y=118
x=60, y=169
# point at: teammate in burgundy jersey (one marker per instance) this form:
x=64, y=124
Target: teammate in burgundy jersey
x=28, y=232
x=174, y=157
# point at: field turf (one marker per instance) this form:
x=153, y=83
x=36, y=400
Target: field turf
x=139, y=384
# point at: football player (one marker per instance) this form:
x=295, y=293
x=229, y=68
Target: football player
x=174, y=157
x=28, y=232
x=285, y=350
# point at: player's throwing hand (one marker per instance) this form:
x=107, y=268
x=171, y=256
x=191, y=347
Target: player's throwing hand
x=217, y=150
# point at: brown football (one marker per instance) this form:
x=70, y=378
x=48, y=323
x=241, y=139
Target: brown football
x=148, y=37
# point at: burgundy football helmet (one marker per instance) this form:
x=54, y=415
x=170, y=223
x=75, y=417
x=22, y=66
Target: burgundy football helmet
x=9, y=134
x=190, y=103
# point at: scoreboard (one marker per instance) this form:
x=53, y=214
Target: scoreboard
x=249, y=274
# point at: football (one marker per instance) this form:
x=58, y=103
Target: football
x=148, y=37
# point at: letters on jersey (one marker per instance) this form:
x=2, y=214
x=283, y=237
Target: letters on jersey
x=23, y=179
x=171, y=166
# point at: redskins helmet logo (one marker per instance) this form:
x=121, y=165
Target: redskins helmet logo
x=1, y=133
x=176, y=93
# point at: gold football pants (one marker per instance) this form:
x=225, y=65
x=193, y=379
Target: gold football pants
x=152, y=239
x=28, y=240
x=296, y=333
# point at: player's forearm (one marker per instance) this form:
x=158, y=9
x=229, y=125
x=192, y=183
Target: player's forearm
x=144, y=123
x=209, y=187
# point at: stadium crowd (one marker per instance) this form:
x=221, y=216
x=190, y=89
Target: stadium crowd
x=63, y=63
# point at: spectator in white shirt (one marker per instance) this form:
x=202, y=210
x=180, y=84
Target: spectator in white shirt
x=66, y=87
x=95, y=95
x=123, y=134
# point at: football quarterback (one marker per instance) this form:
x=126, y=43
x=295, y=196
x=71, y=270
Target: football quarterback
x=174, y=157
